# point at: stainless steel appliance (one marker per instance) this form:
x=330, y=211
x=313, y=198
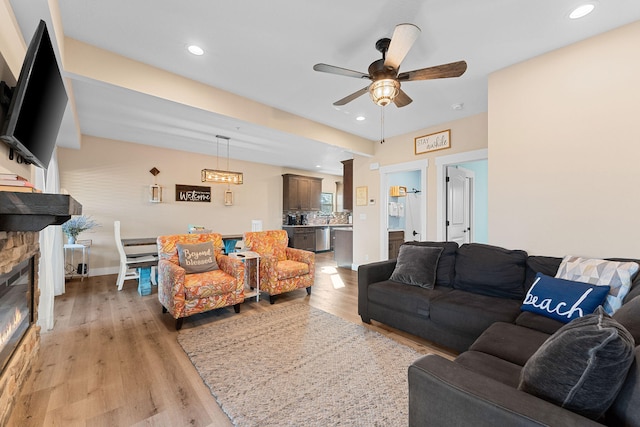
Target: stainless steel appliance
x=323, y=239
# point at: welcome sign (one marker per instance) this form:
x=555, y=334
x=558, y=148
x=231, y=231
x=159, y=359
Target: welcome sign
x=192, y=193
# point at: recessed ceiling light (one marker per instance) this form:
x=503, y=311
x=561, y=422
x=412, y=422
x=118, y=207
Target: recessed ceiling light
x=318, y=166
x=459, y=106
x=582, y=11
x=196, y=50
x=361, y=118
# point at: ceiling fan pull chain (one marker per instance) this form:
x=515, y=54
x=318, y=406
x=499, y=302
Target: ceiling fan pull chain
x=381, y=125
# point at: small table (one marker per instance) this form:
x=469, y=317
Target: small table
x=244, y=256
x=70, y=268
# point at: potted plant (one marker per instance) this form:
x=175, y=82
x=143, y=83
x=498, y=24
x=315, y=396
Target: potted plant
x=77, y=225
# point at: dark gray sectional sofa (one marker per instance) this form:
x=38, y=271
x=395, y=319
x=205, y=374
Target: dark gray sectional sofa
x=476, y=285
x=474, y=308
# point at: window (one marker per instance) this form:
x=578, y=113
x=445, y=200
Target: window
x=326, y=203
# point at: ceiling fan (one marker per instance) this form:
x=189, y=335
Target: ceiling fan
x=384, y=73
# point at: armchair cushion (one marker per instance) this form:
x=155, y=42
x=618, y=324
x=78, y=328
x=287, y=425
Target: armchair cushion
x=197, y=257
x=207, y=284
x=287, y=269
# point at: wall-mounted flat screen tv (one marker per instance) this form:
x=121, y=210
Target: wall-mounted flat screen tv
x=37, y=103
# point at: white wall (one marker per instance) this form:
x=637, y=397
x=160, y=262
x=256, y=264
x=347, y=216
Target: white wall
x=564, y=144
x=111, y=180
x=467, y=134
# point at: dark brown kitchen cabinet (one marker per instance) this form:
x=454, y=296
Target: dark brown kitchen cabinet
x=396, y=239
x=305, y=238
x=347, y=182
x=301, y=193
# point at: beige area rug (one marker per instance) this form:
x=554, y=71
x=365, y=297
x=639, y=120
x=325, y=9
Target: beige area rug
x=295, y=365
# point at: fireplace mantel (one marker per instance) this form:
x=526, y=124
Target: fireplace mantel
x=35, y=211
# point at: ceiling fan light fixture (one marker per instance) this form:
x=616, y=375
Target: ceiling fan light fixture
x=383, y=91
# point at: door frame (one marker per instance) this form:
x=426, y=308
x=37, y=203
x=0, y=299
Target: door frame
x=416, y=165
x=441, y=184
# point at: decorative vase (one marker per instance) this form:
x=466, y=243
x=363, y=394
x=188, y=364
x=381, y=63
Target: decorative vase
x=71, y=240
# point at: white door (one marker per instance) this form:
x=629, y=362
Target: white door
x=459, y=202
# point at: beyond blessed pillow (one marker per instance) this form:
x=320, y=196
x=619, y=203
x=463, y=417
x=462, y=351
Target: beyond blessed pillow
x=617, y=275
x=563, y=300
x=197, y=257
x=417, y=265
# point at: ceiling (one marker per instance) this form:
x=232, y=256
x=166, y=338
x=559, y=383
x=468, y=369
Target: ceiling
x=265, y=51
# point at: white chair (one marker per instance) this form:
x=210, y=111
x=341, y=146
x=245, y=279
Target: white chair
x=130, y=263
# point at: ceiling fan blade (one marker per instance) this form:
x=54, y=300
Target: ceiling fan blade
x=402, y=99
x=403, y=38
x=453, y=69
x=325, y=68
x=353, y=96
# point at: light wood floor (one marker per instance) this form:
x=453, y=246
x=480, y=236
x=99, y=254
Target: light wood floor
x=112, y=358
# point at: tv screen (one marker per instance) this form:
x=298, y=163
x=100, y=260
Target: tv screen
x=37, y=103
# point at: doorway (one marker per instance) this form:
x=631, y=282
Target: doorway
x=477, y=210
x=407, y=213
x=460, y=190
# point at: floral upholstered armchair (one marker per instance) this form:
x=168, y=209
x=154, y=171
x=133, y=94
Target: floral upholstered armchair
x=194, y=276
x=282, y=269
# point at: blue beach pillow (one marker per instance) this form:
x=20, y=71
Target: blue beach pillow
x=563, y=300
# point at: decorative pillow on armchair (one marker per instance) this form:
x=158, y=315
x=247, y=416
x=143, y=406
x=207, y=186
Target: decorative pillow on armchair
x=599, y=272
x=582, y=366
x=417, y=265
x=197, y=257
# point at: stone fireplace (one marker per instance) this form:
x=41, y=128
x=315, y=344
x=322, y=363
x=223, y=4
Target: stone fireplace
x=22, y=216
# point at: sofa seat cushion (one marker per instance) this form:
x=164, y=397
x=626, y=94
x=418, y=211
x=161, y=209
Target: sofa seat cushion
x=471, y=313
x=515, y=344
x=403, y=298
x=491, y=366
x=490, y=270
x=205, y=285
x=288, y=269
x=538, y=322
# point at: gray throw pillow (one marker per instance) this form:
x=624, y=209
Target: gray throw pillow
x=582, y=366
x=197, y=257
x=417, y=265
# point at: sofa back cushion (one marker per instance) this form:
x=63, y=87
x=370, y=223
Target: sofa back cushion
x=490, y=270
x=446, y=264
x=625, y=410
x=540, y=264
x=629, y=316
